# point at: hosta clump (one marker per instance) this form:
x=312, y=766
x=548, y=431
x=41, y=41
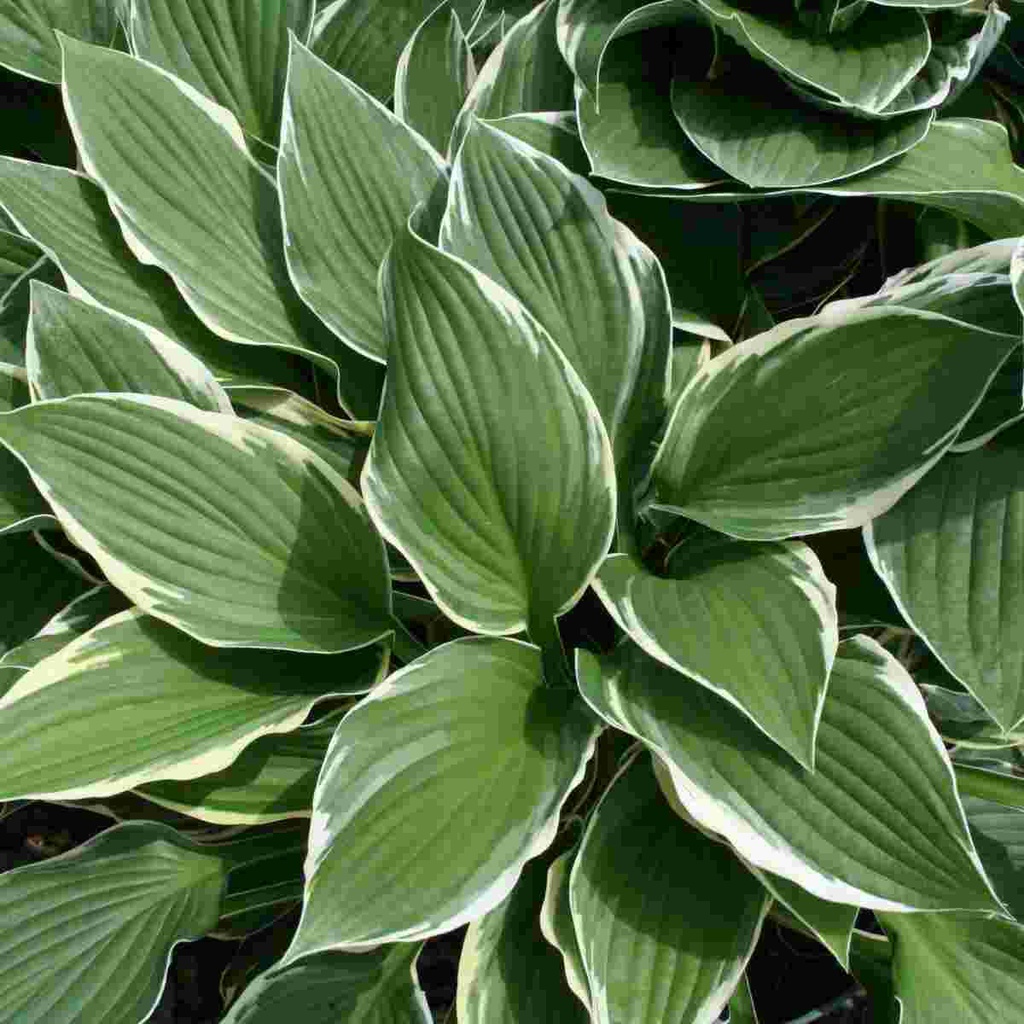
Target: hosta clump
x=400, y=536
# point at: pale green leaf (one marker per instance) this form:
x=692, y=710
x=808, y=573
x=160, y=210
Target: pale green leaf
x=877, y=824
x=507, y=972
x=234, y=51
x=666, y=918
x=436, y=790
x=553, y=132
x=434, y=75
x=27, y=41
x=107, y=915
x=191, y=200
x=135, y=700
x=950, y=552
x=68, y=217
x=872, y=402
x=350, y=173
x=75, y=347
x=150, y=488
x=490, y=468
x=957, y=967
x=754, y=623
x=378, y=987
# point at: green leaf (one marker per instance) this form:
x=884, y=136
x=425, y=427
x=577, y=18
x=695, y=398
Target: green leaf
x=659, y=943
x=872, y=402
x=17, y=254
x=741, y=1004
x=234, y=52
x=357, y=39
x=553, y=132
x=378, y=987
x=43, y=587
x=998, y=833
x=754, y=623
x=957, y=967
x=75, y=347
x=545, y=234
x=435, y=73
x=636, y=139
x=107, y=915
x=350, y=174
x=748, y=124
x=502, y=496
x=864, y=68
x=877, y=824
x=996, y=786
x=22, y=507
x=557, y=927
x=78, y=617
x=949, y=552
x=446, y=779
x=27, y=41
x=191, y=200
x=507, y=972
x=150, y=488
x=271, y=780
x=134, y=700
x=68, y=217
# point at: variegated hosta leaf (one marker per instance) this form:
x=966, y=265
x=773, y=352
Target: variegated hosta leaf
x=378, y=987
x=350, y=174
x=877, y=824
x=435, y=73
x=37, y=585
x=75, y=348
x=754, y=623
x=358, y=39
x=552, y=132
x=191, y=200
x=490, y=468
x=957, y=967
x=235, y=533
x=666, y=918
x=951, y=552
x=28, y=44
x=546, y=235
x=68, y=217
x=135, y=700
x=234, y=51
x=78, y=617
x=107, y=915
x=435, y=792
x=271, y=779
x=872, y=402
x=22, y=507
x=998, y=833
x=17, y=254
x=557, y=927
x=507, y=972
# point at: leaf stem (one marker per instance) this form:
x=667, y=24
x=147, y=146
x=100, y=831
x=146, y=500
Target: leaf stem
x=994, y=786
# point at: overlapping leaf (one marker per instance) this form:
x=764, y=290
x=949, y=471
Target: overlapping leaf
x=22, y=507
x=151, y=488
x=490, y=468
x=190, y=199
x=435, y=792
x=877, y=824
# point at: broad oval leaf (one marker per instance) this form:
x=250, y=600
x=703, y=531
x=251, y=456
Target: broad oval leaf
x=378, y=987
x=950, y=552
x=545, y=234
x=436, y=790
x=350, y=173
x=152, y=488
x=28, y=44
x=191, y=200
x=490, y=469
x=234, y=51
x=75, y=347
x=68, y=217
x=872, y=402
x=754, y=623
x=108, y=915
x=507, y=972
x=877, y=824
x=957, y=967
x=666, y=918
x=557, y=926
x=135, y=700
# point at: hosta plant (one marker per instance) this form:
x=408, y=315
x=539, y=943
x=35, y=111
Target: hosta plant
x=403, y=527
